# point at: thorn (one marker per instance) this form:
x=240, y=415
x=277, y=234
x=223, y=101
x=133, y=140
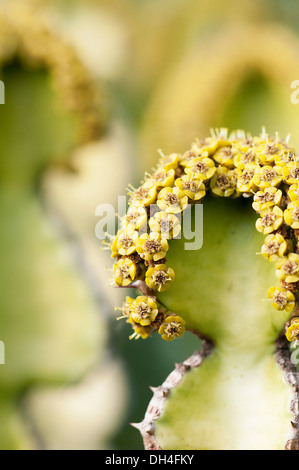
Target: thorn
x=153, y=389
x=136, y=425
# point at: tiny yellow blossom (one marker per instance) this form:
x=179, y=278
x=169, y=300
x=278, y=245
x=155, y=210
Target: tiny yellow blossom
x=193, y=188
x=172, y=200
x=274, y=248
x=245, y=182
x=224, y=182
x=152, y=246
x=292, y=333
x=291, y=173
x=267, y=152
x=202, y=168
x=126, y=241
x=159, y=277
x=266, y=198
x=144, y=310
x=162, y=178
x=287, y=269
x=165, y=224
x=124, y=272
x=127, y=309
x=135, y=219
x=271, y=219
x=205, y=147
x=291, y=214
x=225, y=156
x=242, y=159
x=286, y=156
x=144, y=196
x=267, y=176
x=293, y=192
x=140, y=331
x=169, y=162
x=172, y=327
x=283, y=299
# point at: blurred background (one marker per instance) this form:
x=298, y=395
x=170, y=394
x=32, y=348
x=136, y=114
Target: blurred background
x=93, y=88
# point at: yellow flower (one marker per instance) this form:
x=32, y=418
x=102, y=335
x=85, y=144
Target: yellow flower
x=144, y=310
x=266, y=198
x=293, y=192
x=292, y=333
x=159, y=277
x=135, y=219
x=286, y=156
x=205, y=146
x=291, y=173
x=268, y=151
x=193, y=188
x=126, y=241
x=201, y=168
x=274, y=247
x=172, y=327
x=267, y=176
x=190, y=155
x=152, y=246
x=283, y=299
x=145, y=195
x=271, y=219
x=245, y=182
x=124, y=272
x=242, y=159
x=172, y=200
x=140, y=331
x=169, y=162
x=162, y=178
x=291, y=214
x=167, y=225
x=225, y=156
x=224, y=182
x=287, y=269
x=126, y=309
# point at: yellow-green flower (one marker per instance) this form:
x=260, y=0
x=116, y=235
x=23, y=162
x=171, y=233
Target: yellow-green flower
x=193, y=188
x=201, y=168
x=126, y=241
x=140, y=331
x=271, y=219
x=287, y=269
x=268, y=151
x=144, y=196
x=159, y=277
x=144, y=310
x=166, y=225
x=172, y=200
x=292, y=333
x=124, y=272
x=162, y=178
x=135, y=219
x=152, y=246
x=266, y=198
x=245, y=183
x=282, y=299
x=243, y=159
x=291, y=173
x=267, y=176
x=225, y=156
x=169, y=162
x=291, y=214
x=293, y=192
x=274, y=248
x=172, y=327
x=286, y=156
x=224, y=182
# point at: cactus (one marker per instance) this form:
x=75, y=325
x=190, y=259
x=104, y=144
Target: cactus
x=240, y=391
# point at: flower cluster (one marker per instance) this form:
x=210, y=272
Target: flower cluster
x=226, y=165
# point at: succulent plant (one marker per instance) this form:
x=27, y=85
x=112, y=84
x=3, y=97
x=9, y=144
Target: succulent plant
x=238, y=293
